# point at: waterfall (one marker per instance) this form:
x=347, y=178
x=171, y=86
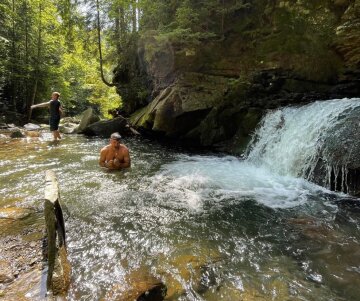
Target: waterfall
x=291, y=140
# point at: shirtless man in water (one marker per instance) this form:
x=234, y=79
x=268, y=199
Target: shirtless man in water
x=115, y=155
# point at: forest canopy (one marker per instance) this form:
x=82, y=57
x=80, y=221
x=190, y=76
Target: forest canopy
x=48, y=45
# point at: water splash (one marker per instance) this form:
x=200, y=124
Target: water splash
x=290, y=141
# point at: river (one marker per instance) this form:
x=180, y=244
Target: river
x=211, y=227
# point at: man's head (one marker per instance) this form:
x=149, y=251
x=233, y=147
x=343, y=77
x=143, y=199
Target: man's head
x=115, y=137
x=55, y=95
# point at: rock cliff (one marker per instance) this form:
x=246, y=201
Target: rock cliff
x=272, y=53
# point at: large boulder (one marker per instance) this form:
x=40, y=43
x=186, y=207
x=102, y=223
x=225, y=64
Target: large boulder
x=182, y=106
x=105, y=128
x=88, y=117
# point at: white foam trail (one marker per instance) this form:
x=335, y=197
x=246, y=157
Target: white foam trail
x=196, y=179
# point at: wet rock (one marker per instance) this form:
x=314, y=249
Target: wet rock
x=32, y=134
x=182, y=106
x=27, y=286
x=15, y=212
x=17, y=134
x=74, y=120
x=68, y=128
x=141, y=286
x=189, y=268
x=3, y=125
x=21, y=247
x=5, y=224
x=88, y=118
x=106, y=127
x=6, y=274
x=338, y=167
x=62, y=271
x=59, y=271
x=31, y=127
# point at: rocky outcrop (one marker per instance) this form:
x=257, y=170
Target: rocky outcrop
x=105, y=128
x=338, y=167
x=175, y=111
x=271, y=54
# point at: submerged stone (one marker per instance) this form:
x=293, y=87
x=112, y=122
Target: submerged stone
x=15, y=212
x=6, y=274
x=139, y=286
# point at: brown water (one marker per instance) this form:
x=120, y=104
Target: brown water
x=210, y=227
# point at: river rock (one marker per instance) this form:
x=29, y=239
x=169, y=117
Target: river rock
x=31, y=127
x=62, y=272
x=16, y=134
x=26, y=287
x=32, y=134
x=72, y=119
x=105, y=128
x=68, y=128
x=189, y=267
x=141, y=286
x=88, y=117
x=6, y=274
x=15, y=212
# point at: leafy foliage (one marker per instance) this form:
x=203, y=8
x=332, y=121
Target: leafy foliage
x=45, y=46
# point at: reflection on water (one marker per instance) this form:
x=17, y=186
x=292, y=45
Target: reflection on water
x=211, y=228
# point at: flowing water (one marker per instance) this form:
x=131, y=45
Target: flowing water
x=210, y=227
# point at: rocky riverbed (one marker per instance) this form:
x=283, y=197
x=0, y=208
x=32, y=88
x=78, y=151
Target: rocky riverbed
x=22, y=251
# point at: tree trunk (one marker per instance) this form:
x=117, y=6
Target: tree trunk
x=222, y=19
x=13, y=59
x=134, y=20
x=37, y=70
x=118, y=32
x=27, y=101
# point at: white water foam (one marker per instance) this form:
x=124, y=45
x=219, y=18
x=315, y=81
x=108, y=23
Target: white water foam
x=284, y=150
x=197, y=178
x=289, y=139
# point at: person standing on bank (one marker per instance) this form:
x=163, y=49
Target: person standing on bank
x=115, y=155
x=56, y=111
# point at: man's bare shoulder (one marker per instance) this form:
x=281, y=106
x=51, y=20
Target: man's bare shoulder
x=124, y=148
x=105, y=149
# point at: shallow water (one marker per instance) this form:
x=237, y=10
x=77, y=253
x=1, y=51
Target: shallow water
x=210, y=227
